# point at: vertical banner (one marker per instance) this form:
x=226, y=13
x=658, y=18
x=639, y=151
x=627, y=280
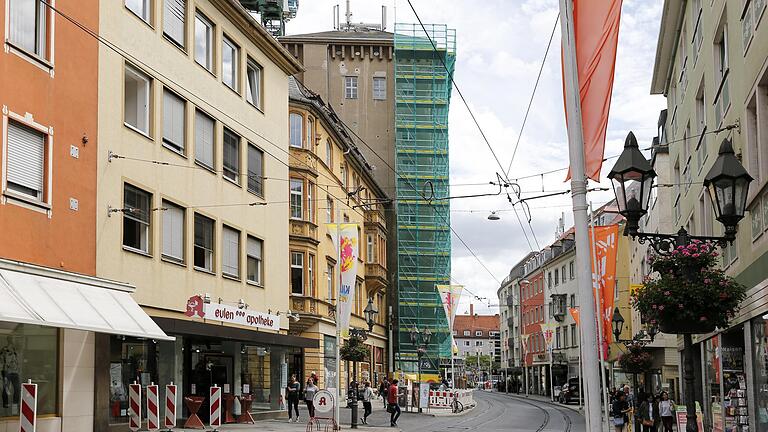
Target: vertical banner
x=604, y=275
x=450, y=296
x=345, y=239
x=575, y=314
x=524, y=340
x=596, y=31
x=548, y=330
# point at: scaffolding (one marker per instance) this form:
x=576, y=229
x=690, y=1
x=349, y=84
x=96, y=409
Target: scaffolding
x=422, y=93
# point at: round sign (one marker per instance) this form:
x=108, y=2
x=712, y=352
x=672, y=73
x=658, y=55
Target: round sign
x=323, y=401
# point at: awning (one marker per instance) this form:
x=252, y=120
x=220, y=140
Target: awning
x=37, y=295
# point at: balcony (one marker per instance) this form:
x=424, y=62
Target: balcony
x=510, y=300
x=375, y=276
x=303, y=160
x=310, y=311
x=303, y=231
x=375, y=217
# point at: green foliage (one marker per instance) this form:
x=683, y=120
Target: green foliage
x=354, y=350
x=636, y=360
x=690, y=288
x=471, y=360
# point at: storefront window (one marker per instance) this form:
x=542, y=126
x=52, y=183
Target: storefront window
x=735, y=403
x=256, y=376
x=131, y=360
x=28, y=352
x=760, y=362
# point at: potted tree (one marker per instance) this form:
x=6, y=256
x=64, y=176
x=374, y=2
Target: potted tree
x=688, y=293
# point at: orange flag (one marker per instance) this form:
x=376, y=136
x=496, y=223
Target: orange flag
x=575, y=314
x=596, y=29
x=604, y=274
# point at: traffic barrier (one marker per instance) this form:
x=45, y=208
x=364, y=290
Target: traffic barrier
x=153, y=407
x=134, y=406
x=444, y=398
x=170, y=406
x=215, y=407
x=28, y=415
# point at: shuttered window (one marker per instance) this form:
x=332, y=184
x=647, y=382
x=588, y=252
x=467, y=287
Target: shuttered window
x=231, y=156
x=174, y=18
x=230, y=252
x=255, y=170
x=173, y=121
x=255, y=250
x=204, y=133
x=173, y=231
x=26, y=160
x=28, y=28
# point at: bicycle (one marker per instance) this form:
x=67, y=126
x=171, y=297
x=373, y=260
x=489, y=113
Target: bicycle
x=456, y=406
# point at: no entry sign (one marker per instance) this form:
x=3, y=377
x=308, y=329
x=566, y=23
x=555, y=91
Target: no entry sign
x=324, y=401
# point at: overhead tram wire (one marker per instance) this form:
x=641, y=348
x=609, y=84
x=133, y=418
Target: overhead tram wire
x=122, y=53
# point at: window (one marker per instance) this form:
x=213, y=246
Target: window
x=203, y=243
x=229, y=63
x=574, y=337
x=174, y=17
x=204, y=133
x=557, y=277
x=137, y=205
x=310, y=132
x=296, y=130
x=329, y=273
x=344, y=175
x=230, y=252
x=557, y=337
x=297, y=273
x=698, y=32
x=701, y=126
x=136, y=100
x=479, y=343
x=253, y=95
x=466, y=333
x=310, y=204
x=350, y=87
x=254, y=250
x=370, y=248
x=565, y=337
x=255, y=170
x=467, y=343
x=573, y=300
x=173, y=232
x=297, y=198
x=142, y=8
x=329, y=153
x=329, y=209
x=204, y=41
x=231, y=156
x=379, y=88
x=478, y=333
x=174, y=123
x=311, y=274
x=28, y=26
x=25, y=159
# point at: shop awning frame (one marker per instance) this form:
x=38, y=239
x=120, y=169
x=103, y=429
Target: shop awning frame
x=42, y=296
x=217, y=330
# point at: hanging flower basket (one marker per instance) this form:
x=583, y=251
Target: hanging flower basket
x=688, y=292
x=354, y=350
x=636, y=360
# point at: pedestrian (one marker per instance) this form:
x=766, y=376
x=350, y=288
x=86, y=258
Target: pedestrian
x=392, y=406
x=292, y=397
x=309, y=397
x=315, y=378
x=667, y=411
x=648, y=414
x=367, y=396
x=619, y=412
x=383, y=390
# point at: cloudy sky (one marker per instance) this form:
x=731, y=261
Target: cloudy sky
x=500, y=47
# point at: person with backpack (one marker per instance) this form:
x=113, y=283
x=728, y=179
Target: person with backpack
x=367, y=396
x=392, y=407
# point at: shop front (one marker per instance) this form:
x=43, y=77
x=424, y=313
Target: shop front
x=250, y=364
x=48, y=323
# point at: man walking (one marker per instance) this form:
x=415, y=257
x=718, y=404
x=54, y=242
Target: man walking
x=392, y=405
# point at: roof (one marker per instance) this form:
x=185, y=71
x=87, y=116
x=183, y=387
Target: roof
x=355, y=36
x=666, y=48
x=476, y=322
x=298, y=92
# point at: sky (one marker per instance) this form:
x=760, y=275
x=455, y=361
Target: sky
x=500, y=45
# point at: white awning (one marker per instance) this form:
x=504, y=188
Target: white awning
x=36, y=295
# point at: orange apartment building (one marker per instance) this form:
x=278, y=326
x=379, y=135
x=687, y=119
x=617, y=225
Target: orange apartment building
x=50, y=302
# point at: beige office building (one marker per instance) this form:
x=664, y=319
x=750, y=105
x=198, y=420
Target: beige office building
x=192, y=201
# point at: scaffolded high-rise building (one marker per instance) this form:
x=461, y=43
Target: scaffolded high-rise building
x=423, y=69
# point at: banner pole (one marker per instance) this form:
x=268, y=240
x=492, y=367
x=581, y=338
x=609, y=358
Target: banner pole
x=599, y=294
x=337, y=407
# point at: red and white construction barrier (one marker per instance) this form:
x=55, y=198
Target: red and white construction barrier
x=28, y=415
x=170, y=405
x=153, y=407
x=215, y=406
x=134, y=406
x=444, y=399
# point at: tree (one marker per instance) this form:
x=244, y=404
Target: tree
x=471, y=360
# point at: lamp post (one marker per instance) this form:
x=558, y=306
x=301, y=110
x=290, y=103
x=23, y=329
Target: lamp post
x=370, y=313
x=420, y=340
x=728, y=185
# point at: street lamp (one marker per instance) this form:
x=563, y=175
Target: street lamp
x=370, y=312
x=617, y=323
x=728, y=184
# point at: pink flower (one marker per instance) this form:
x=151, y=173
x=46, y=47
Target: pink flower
x=696, y=255
x=722, y=283
x=702, y=318
x=707, y=281
x=666, y=293
x=661, y=307
x=714, y=254
x=654, y=306
x=681, y=247
x=674, y=252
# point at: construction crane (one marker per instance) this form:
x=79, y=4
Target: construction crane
x=274, y=13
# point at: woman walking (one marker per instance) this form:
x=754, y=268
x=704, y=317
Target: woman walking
x=648, y=414
x=667, y=412
x=309, y=396
x=292, y=397
x=367, y=396
x=619, y=412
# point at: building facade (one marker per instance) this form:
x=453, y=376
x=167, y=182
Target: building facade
x=334, y=186
x=478, y=336
x=711, y=66
x=510, y=322
x=192, y=204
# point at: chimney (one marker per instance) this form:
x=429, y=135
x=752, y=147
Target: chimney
x=471, y=309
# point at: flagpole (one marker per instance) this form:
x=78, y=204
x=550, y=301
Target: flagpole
x=579, y=199
x=337, y=408
x=598, y=290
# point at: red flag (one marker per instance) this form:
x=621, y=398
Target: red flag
x=596, y=29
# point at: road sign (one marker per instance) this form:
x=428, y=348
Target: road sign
x=170, y=405
x=215, y=406
x=134, y=406
x=324, y=401
x=28, y=414
x=153, y=407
